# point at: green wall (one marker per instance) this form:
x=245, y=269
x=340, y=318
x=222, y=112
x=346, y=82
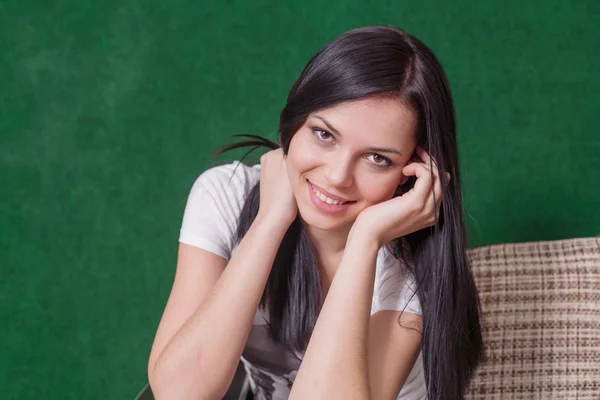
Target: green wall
x=110, y=109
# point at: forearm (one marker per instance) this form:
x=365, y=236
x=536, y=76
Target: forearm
x=335, y=364
x=201, y=358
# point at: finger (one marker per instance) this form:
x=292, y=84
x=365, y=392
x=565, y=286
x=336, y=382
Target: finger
x=433, y=190
x=437, y=192
x=433, y=201
x=416, y=168
x=419, y=156
x=424, y=156
x=429, y=160
x=422, y=186
x=428, y=186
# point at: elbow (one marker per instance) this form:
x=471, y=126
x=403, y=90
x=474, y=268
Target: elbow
x=158, y=385
x=199, y=385
x=165, y=386
x=156, y=381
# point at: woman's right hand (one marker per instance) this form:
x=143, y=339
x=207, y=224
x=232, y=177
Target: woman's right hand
x=277, y=201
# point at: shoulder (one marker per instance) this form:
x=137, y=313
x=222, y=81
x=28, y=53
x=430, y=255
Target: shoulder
x=395, y=286
x=214, y=205
x=224, y=188
x=235, y=179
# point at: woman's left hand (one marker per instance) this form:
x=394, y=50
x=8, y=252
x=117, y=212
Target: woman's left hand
x=410, y=212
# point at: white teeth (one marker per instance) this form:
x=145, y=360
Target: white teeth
x=326, y=199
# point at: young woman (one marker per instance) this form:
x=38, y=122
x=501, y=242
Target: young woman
x=336, y=268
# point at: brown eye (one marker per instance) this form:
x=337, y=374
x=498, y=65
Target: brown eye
x=380, y=161
x=322, y=135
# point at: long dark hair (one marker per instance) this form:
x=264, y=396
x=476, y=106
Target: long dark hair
x=367, y=62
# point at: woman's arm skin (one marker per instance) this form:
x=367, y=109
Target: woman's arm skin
x=349, y=349
x=209, y=314
x=199, y=360
x=393, y=350
x=336, y=359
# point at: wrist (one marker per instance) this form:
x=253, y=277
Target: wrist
x=360, y=252
x=272, y=224
x=360, y=237
x=377, y=232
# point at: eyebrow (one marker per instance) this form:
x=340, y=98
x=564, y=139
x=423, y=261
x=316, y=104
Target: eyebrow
x=375, y=149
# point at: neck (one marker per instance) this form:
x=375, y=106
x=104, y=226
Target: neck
x=329, y=247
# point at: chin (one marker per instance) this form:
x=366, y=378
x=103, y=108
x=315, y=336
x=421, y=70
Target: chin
x=317, y=221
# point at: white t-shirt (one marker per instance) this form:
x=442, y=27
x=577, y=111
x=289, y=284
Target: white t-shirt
x=210, y=223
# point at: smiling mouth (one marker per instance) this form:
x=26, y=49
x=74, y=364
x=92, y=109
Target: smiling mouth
x=325, y=199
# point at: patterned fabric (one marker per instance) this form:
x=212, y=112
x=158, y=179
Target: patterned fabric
x=540, y=318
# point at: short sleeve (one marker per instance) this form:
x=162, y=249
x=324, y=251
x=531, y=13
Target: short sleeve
x=395, y=286
x=214, y=205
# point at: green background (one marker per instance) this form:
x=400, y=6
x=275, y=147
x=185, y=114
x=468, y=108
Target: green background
x=109, y=110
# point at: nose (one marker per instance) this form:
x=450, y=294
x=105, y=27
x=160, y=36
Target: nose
x=339, y=172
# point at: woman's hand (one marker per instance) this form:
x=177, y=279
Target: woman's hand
x=277, y=201
x=410, y=212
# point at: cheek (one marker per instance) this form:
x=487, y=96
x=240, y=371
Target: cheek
x=301, y=157
x=375, y=191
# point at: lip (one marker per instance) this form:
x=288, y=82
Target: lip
x=328, y=208
x=326, y=193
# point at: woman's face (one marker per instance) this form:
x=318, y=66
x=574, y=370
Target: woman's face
x=352, y=152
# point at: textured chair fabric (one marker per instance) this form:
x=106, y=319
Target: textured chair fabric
x=540, y=320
